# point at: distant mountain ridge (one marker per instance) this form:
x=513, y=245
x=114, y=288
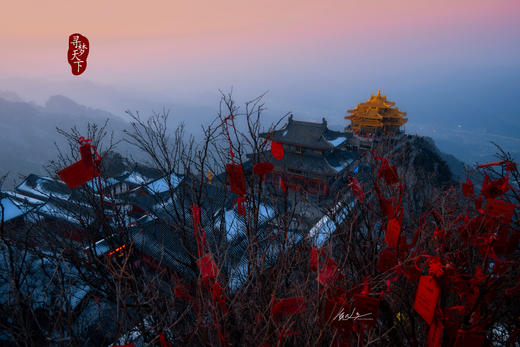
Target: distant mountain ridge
x=28, y=131
x=60, y=104
x=29, y=134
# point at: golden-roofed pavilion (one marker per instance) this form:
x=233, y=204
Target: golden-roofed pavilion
x=375, y=115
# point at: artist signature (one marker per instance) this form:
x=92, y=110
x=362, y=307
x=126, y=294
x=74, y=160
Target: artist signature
x=353, y=315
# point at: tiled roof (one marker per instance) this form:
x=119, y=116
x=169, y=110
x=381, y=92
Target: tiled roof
x=43, y=187
x=301, y=133
x=305, y=163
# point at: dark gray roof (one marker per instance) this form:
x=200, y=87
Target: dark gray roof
x=159, y=235
x=301, y=133
x=43, y=187
x=307, y=134
x=68, y=211
x=163, y=243
x=341, y=160
x=307, y=163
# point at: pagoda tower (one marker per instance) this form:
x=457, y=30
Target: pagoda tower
x=376, y=115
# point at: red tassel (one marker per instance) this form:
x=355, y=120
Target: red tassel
x=282, y=185
x=195, y=216
x=426, y=298
x=478, y=204
x=388, y=172
x=467, y=188
x=277, y=150
x=207, y=266
x=390, y=175
x=236, y=179
x=356, y=189
x=86, y=155
x=241, y=208
x=439, y=235
x=219, y=296
x=386, y=205
x=435, y=267
x=393, y=230
x=434, y=338
x=285, y=307
x=328, y=272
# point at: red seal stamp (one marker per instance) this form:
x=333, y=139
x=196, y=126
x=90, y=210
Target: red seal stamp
x=78, y=53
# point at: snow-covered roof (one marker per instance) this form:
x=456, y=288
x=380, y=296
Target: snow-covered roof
x=136, y=178
x=342, y=165
x=105, y=182
x=134, y=336
x=59, y=212
x=16, y=197
x=337, y=141
x=10, y=210
x=44, y=187
x=236, y=223
x=161, y=185
x=100, y=248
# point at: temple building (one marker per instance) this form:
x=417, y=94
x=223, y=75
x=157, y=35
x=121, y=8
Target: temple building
x=376, y=115
x=313, y=157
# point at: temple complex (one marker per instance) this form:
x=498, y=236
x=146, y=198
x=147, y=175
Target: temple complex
x=376, y=115
x=313, y=156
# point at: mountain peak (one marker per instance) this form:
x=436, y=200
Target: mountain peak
x=62, y=104
x=10, y=96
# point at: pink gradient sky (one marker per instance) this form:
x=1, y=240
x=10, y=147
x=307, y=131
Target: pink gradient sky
x=451, y=64
x=182, y=37
x=317, y=56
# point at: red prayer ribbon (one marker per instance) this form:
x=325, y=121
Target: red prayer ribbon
x=85, y=169
x=426, y=298
x=356, y=189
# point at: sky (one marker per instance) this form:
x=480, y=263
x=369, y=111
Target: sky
x=448, y=63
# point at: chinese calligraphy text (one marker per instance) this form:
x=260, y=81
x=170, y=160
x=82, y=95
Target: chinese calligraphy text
x=78, y=53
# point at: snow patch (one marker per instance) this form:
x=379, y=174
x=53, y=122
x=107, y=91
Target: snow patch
x=10, y=210
x=342, y=166
x=161, y=185
x=338, y=141
x=136, y=178
x=324, y=228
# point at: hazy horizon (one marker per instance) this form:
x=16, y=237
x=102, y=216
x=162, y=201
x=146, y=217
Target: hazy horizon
x=453, y=66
